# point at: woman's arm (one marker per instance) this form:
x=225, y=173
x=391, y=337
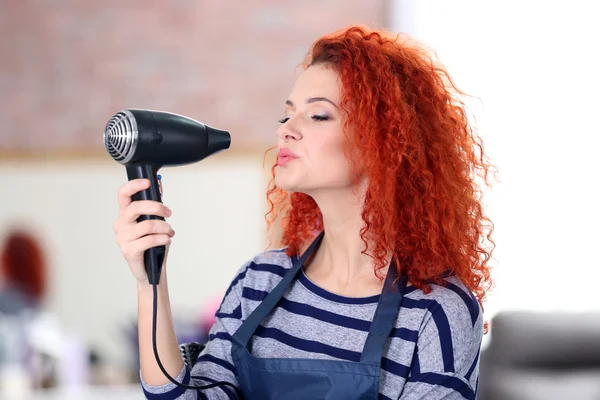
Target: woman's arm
x=446, y=362
x=214, y=364
x=166, y=340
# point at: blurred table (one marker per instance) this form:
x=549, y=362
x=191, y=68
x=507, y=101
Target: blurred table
x=129, y=392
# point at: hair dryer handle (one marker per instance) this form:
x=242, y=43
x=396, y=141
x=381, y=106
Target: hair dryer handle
x=153, y=257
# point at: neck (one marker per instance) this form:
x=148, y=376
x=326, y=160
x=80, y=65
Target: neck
x=339, y=256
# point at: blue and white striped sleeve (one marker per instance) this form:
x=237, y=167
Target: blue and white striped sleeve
x=214, y=364
x=446, y=361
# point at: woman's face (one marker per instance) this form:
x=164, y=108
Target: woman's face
x=311, y=140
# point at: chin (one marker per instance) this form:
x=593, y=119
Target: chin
x=286, y=181
x=286, y=185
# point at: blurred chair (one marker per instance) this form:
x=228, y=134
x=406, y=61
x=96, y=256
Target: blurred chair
x=542, y=356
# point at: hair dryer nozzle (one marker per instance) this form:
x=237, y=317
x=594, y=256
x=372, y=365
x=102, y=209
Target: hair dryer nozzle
x=218, y=140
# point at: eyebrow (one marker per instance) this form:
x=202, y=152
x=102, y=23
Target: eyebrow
x=313, y=100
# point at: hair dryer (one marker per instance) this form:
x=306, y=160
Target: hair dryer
x=146, y=140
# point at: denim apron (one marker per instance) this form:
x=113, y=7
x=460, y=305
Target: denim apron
x=298, y=378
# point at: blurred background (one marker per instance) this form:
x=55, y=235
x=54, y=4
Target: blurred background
x=531, y=67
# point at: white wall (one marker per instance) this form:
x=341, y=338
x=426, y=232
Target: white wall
x=217, y=206
x=535, y=68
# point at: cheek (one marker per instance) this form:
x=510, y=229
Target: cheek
x=330, y=157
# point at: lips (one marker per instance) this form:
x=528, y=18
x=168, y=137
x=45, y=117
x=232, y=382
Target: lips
x=285, y=156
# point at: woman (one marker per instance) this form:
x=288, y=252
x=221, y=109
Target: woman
x=378, y=290
x=23, y=273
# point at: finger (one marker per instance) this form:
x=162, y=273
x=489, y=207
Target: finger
x=148, y=227
x=130, y=188
x=143, y=244
x=144, y=207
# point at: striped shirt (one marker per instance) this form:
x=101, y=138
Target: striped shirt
x=432, y=352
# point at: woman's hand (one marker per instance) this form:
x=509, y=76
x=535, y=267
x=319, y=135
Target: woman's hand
x=134, y=238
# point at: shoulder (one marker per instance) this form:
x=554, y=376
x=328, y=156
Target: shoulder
x=273, y=257
x=452, y=300
x=271, y=262
x=13, y=301
x=263, y=271
x=451, y=328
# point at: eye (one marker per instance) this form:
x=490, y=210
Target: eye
x=284, y=120
x=318, y=117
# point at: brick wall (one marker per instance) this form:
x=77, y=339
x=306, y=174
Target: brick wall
x=67, y=65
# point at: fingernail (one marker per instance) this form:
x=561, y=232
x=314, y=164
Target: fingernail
x=159, y=177
x=169, y=212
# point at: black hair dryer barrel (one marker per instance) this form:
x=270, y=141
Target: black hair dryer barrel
x=146, y=140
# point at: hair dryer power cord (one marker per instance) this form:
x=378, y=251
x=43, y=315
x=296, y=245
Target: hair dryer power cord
x=154, y=313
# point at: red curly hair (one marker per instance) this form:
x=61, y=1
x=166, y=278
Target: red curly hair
x=23, y=264
x=423, y=204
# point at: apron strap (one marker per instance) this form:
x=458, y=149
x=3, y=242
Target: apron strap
x=244, y=333
x=385, y=316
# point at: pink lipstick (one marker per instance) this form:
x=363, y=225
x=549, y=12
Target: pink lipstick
x=285, y=155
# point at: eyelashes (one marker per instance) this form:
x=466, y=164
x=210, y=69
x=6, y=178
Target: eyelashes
x=315, y=117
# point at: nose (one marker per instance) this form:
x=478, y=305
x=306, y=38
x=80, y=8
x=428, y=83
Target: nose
x=287, y=132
